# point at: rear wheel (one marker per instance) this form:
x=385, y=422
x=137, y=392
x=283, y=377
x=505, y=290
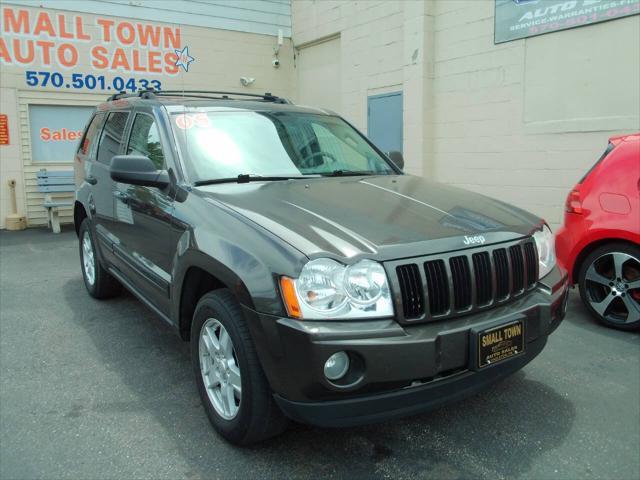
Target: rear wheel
x=97, y=280
x=609, y=282
x=232, y=386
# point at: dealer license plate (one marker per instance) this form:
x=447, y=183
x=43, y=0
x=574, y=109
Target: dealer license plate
x=500, y=343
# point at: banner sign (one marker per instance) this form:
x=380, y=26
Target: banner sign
x=56, y=131
x=516, y=19
x=118, y=52
x=4, y=129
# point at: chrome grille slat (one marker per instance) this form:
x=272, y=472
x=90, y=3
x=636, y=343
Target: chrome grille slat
x=464, y=281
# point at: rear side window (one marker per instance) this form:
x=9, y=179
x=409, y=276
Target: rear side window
x=602, y=157
x=145, y=140
x=89, y=141
x=111, y=138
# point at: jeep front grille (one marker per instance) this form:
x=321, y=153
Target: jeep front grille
x=465, y=281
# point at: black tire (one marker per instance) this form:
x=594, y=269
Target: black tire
x=103, y=285
x=610, y=298
x=258, y=417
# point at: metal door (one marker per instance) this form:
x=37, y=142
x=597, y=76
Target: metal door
x=143, y=217
x=384, y=121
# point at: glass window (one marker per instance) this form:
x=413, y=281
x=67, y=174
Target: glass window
x=145, y=140
x=56, y=131
x=89, y=142
x=218, y=145
x=111, y=138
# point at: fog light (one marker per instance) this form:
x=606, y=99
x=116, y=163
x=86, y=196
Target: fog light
x=336, y=366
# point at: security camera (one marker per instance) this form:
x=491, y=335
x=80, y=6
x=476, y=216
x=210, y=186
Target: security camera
x=275, y=62
x=246, y=81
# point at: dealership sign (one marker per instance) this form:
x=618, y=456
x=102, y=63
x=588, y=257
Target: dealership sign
x=516, y=19
x=61, y=43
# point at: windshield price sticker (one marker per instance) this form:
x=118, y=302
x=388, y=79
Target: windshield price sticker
x=187, y=121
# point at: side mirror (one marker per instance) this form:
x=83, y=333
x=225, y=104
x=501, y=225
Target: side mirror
x=397, y=158
x=137, y=170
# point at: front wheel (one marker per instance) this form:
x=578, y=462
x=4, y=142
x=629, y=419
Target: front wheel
x=232, y=386
x=609, y=282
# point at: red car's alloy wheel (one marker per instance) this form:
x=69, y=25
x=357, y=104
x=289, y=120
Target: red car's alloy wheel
x=612, y=287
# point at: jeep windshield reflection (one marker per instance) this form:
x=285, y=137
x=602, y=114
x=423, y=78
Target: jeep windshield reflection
x=272, y=145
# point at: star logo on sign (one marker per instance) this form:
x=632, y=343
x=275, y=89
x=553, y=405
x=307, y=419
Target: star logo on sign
x=184, y=59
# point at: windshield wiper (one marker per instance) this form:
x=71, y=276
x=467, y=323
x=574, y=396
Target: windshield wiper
x=348, y=173
x=244, y=178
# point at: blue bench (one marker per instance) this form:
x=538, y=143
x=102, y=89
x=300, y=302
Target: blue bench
x=52, y=182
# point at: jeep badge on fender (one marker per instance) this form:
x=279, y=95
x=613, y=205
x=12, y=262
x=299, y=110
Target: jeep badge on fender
x=315, y=281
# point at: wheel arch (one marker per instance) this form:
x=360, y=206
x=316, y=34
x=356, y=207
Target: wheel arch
x=201, y=275
x=79, y=214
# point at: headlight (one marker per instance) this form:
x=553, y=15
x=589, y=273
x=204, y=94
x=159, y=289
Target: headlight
x=546, y=246
x=327, y=289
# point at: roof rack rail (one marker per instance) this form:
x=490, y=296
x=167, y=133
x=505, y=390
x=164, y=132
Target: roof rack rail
x=268, y=97
x=119, y=95
x=221, y=95
x=142, y=93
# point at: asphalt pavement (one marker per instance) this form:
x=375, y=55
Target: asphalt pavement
x=103, y=389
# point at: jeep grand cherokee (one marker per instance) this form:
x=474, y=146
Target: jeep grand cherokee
x=314, y=279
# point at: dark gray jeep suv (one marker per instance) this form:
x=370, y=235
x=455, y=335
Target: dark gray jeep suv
x=314, y=280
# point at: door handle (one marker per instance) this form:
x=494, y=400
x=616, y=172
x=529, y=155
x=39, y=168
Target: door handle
x=90, y=179
x=123, y=197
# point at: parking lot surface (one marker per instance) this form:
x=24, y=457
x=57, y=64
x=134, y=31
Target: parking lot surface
x=92, y=389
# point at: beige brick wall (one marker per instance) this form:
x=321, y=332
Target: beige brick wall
x=372, y=49
x=520, y=121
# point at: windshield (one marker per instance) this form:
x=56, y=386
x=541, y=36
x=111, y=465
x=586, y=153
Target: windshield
x=220, y=145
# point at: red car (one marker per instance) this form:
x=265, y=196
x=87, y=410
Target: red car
x=599, y=243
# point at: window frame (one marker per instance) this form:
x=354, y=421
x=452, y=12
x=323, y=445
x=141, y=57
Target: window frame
x=189, y=176
x=26, y=128
x=98, y=134
x=156, y=123
x=124, y=133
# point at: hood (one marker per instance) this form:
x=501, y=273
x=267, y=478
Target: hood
x=381, y=217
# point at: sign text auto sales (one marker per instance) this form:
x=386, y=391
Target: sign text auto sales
x=53, y=40
x=516, y=19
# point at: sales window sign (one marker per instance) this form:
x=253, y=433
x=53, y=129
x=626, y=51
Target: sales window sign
x=4, y=129
x=516, y=19
x=56, y=131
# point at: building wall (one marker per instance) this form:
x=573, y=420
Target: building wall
x=221, y=58
x=520, y=121
x=524, y=120
x=381, y=50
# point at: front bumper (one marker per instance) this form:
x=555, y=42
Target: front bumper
x=405, y=369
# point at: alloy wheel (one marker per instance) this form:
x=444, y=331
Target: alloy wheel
x=88, y=259
x=219, y=368
x=613, y=287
